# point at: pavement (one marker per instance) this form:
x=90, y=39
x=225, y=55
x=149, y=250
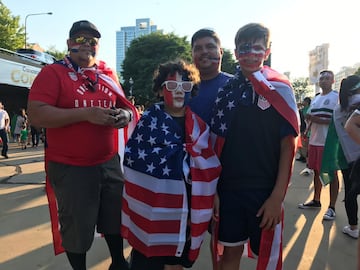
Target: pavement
x=25, y=237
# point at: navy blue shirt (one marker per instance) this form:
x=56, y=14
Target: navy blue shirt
x=203, y=103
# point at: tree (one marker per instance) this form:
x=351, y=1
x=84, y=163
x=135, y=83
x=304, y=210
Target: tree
x=357, y=72
x=228, y=63
x=301, y=88
x=143, y=57
x=56, y=53
x=12, y=35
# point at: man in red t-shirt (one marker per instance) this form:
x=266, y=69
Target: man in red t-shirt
x=81, y=104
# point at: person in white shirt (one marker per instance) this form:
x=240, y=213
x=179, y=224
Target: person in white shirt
x=320, y=114
x=4, y=129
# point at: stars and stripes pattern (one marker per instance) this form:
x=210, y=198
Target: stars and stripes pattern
x=159, y=161
x=273, y=88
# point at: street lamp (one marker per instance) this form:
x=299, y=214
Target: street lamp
x=131, y=81
x=34, y=14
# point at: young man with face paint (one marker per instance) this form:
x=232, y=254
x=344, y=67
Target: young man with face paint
x=207, y=55
x=255, y=121
x=171, y=173
x=86, y=115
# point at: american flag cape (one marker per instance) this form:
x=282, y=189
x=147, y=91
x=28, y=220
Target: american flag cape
x=120, y=138
x=155, y=210
x=276, y=89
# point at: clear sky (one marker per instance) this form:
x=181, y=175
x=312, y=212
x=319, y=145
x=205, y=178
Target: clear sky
x=297, y=26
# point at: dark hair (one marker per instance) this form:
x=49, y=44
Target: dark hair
x=346, y=90
x=327, y=71
x=188, y=71
x=252, y=32
x=205, y=33
x=307, y=99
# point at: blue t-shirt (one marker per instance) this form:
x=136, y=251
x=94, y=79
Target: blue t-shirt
x=203, y=103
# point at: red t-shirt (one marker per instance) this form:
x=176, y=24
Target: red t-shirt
x=82, y=143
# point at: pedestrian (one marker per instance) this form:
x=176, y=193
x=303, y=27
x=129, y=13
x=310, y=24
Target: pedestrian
x=341, y=152
x=4, y=129
x=256, y=121
x=21, y=119
x=23, y=136
x=207, y=56
x=171, y=173
x=352, y=126
x=81, y=104
x=320, y=114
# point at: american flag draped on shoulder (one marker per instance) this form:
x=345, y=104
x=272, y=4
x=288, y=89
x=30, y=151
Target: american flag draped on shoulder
x=155, y=212
x=276, y=89
x=120, y=139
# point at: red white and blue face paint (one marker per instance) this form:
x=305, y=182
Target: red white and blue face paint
x=175, y=100
x=251, y=55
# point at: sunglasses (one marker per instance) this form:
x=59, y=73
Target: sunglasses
x=82, y=40
x=186, y=86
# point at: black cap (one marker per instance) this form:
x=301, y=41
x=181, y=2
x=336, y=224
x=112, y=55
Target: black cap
x=84, y=26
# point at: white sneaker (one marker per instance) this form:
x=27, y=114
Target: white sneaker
x=306, y=172
x=352, y=233
x=329, y=214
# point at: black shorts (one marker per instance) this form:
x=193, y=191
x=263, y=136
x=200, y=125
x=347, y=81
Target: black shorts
x=141, y=262
x=87, y=196
x=238, y=221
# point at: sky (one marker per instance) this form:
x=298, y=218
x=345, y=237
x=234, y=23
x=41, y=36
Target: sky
x=297, y=26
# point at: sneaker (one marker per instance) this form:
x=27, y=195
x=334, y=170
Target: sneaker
x=352, y=233
x=329, y=214
x=310, y=205
x=306, y=172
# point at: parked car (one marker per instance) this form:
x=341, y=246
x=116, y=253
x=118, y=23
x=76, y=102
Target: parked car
x=45, y=58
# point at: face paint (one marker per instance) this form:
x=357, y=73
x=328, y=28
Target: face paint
x=251, y=55
x=175, y=100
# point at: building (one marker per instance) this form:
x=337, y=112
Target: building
x=343, y=73
x=129, y=33
x=318, y=61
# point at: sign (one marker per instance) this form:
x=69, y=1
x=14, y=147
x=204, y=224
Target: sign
x=17, y=74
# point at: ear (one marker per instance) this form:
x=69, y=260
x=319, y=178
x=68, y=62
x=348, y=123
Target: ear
x=236, y=54
x=160, y=93
x=267, y=53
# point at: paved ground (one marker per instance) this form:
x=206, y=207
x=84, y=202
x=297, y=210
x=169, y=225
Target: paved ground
x=25, y=238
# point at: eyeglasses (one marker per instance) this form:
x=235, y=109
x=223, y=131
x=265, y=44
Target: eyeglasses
x=82, y=40
x=186, y=86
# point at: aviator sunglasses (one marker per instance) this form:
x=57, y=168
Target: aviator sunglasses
x=185, y=86
x=82, y=40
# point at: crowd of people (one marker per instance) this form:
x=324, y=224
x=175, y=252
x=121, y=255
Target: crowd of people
x=213, y=155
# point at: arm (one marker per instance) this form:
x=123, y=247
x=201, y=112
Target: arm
x=271, y=209
x=352, y=126
x=318, y=120
x=44, y=115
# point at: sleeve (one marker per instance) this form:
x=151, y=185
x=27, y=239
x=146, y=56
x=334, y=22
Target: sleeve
x=46, y=86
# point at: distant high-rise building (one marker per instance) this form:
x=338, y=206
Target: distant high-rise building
x=318, y=61
x=128, y=34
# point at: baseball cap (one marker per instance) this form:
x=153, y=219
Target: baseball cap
x=84, y=26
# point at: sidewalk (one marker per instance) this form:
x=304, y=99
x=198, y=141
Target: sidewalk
x=25, y=238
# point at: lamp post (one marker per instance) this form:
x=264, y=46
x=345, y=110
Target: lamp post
x=131, y=81
x=34, y=14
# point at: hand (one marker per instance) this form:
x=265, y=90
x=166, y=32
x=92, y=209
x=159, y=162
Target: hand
x=271, y=213
x=101, y=116
x=123, y=117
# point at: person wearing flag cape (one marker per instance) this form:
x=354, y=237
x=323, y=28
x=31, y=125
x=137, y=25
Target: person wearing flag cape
x=255, y=124
x=171, y=173
x=87, y=118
